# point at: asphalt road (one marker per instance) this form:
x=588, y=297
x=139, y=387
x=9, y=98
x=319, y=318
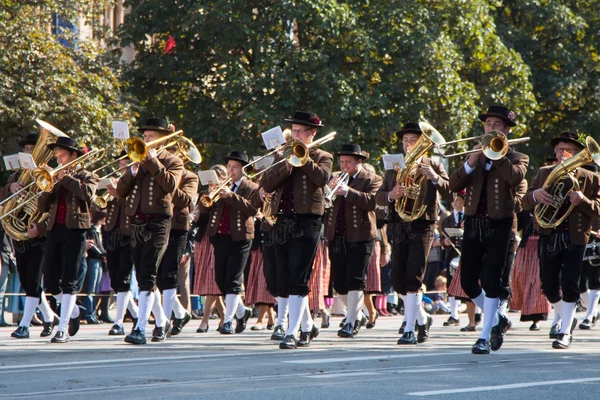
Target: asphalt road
x=250, y=366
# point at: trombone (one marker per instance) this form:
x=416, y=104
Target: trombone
x=296, y=152
x=287, y=134
x=494, y=145
x=208, y=200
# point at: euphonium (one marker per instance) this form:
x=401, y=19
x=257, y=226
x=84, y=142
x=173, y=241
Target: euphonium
x=410, y=206
x=561, y=182
x=17, y=223
x=207, y=200
x=330, y=196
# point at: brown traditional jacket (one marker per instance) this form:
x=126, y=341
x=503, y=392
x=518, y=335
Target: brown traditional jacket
x=183, y=201
x=580, y=219
x=359, y=209
x=116, y=217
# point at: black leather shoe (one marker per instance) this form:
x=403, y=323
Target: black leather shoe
x=269, y=327
x=202, y=330
x=160, y=334
x=343, y=322
x=534, y=327
x=498, y=332
x=240, y=323
x=288, y=343
x=307, y=337
x=401, y=330
x=226, y=329
x=347, y=331
x=49, y=327
x=586, y=324
x=325, y=324
x=22, y=332
x=468, y=328
x=554, y=331
x=75, y=323
x=92, y=320
x=407, y=338
x=60, y=337
x=452, y=322
x=481, y=346
x=116, y=330
x=477, y=319
x=423, y=330
x=136, y=337
x=278, y=333
x=563, y=341
x=179, y=323
x=371, y=325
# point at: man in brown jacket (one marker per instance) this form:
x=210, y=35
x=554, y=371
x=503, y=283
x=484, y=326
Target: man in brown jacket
x=231, y=230
x=562, y=248
x=184, y=200
x=298, y=203
x=29, y=254
x=351, y=231
x=411, y=241
x=148, y=188
x=118, y=254
x=493, y=198
x=69, y=207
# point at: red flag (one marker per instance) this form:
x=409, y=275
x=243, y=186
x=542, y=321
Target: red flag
x=170, y=45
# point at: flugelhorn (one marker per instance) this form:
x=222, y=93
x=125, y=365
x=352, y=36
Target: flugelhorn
x=208, y=200
x=330, y=196
x=494, y=145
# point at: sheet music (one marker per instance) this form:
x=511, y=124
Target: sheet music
x=27, y=161
x=12, y=162
x=208, y=177
x=393, y=161
x=454, y=232
x=120, y=130
x=273, y=138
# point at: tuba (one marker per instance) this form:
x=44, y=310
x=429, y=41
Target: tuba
x=23, y=217
x=561, y=182
x=410, y=206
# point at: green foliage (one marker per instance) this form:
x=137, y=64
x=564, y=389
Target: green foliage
x=74, y=88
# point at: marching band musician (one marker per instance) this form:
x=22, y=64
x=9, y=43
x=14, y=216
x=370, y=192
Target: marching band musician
x=148, y=187
x=493, y=197
x=351, y=231
x=29, y=254
x=590, y=278
x=298, y=203
x=412, y=240
x=231, y=230
x=183, y=203
x=563, y=247
x=69, y=207
x=118, y=254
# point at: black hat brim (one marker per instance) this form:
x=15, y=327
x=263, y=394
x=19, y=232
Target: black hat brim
x=302, y=122
x=24, y=143
x=483, y=117
x=350, y=153
x=53, y=146
x=557, y=140
x=244, y=162
x=402, y=132
x=154, y=128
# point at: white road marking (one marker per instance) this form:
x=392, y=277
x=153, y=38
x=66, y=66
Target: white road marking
x=503, y=387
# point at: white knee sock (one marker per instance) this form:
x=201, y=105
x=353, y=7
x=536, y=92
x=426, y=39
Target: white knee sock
x=568, y=315
x=306, y=321
x=353, y=307
x=58, y=298
x=585, y=297
x=557, y=313
x=31, y=304
x=122, y=301
x=45, y=308
x=132, y=307
x=503, y=307
x=282, y=311
x=167, y=301
x=231, y=303
x=297, y=307
x=159, y=314
x=67, y=309
x=453, y=307
x=178, y=310
x=412, y=302
x=490, y=317
x=591, y=310
x=421, y=314
x=146, y=302
x=479, y=301
x=240, y=310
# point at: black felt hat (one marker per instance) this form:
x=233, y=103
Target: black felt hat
x=568, y=137
x=409, y=127
x=32, y=138
x=237, y=156
x=353, y=150
x=156, y=124
x=305, y=118
x=66, y=143
x=499, y=112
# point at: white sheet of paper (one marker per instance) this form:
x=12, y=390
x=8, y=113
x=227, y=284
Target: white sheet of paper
x=208, y=177
x=273, y=137
x=264, y=163
x=454, y=232
x=12, y=162
x=104, y=183
x=393, y=161
x=120, y=130
x=27, y=161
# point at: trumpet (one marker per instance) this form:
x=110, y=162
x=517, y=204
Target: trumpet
x=330, y=196
x=494, y=145
x=287, y=134
x=208, y=200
